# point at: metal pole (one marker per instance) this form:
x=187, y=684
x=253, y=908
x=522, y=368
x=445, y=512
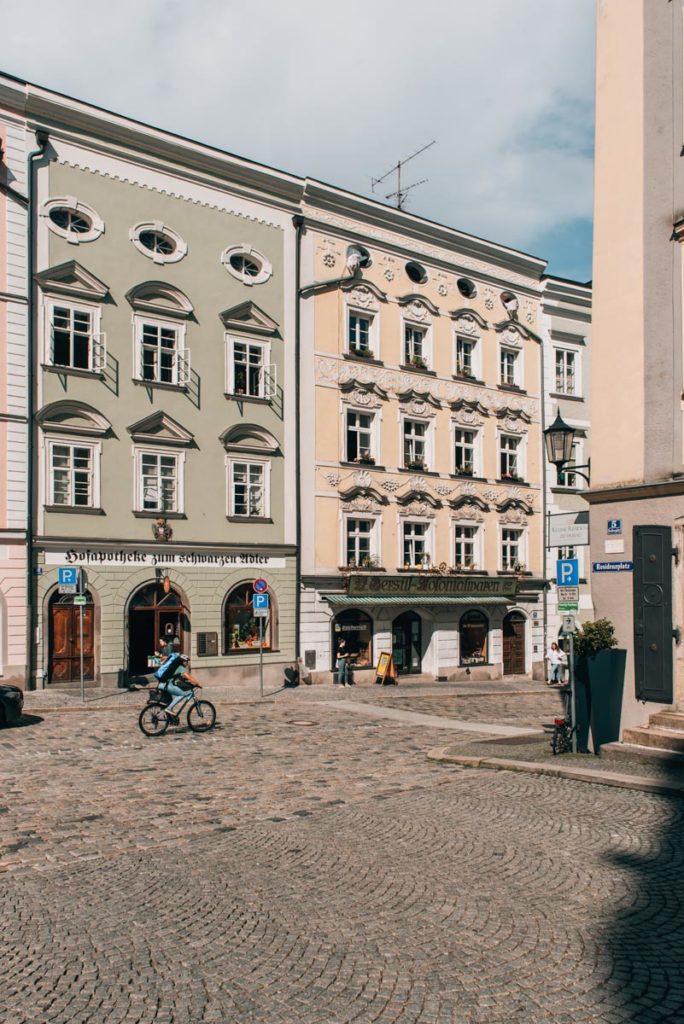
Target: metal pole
x=261, y=657
x=80, y=630
x=573, y=704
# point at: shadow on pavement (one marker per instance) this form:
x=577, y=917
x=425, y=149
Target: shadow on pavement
x=26, y=720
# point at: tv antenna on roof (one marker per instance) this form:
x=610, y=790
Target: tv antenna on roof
x=400, y=194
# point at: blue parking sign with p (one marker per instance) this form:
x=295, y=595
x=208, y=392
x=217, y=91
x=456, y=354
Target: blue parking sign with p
x=567, y=572
x=260, y=601
x=67, y=576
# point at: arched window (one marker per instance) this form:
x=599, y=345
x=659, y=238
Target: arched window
x=356, y=629
x=473, y=638
x=241, y=630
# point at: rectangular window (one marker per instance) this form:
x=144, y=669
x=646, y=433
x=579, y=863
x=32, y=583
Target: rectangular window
x=359, y=543
x=511, y=549
x=72, y=475
x=248, y=490
x=359, y=334
x=464, y=452
x=465, y=357
x=415, y=353
x=158, y=482
x=569, y=479
x=75, y=343
x=565, y=372
x=248, y=366
x=508, y=367
x=359, y=436
x=162, y=357
x=415, y=545
x=509, y=457
x=465, y=544
x=567, y=552
x=415, y=447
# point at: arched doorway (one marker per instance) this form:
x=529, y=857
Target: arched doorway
x=64, y=639
x=407, y=643
x=152, y=614
x=514, y=644
x=356, y=629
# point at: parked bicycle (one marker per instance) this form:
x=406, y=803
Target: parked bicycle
x=563, y=729
x=154, y=719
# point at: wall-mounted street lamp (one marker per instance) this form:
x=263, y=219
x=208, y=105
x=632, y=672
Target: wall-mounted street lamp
x=559, y=438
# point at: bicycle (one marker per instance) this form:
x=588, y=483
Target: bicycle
x=154, y=719
x=563, y=731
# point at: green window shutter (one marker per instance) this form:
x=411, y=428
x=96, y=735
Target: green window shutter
x=653, y=658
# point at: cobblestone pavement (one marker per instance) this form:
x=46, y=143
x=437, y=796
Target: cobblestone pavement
x=304, y=866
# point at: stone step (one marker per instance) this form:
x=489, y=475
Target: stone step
x=662, y=739
x=668, y=760
x=673, y=720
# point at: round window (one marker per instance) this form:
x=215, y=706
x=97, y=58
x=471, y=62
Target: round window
x=466, y=287
x=246, y=264
x=157, y=242
x=70, y=220
x=416, y=272
x=358, y=257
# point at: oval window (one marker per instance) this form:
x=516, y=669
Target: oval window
x=246, y=264
x=416, y=272
x=72, y=220
x=466, y=287
x=156, y=242
x=358, y=257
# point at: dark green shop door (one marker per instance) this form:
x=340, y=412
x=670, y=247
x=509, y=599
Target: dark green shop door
x=653, y=662
x=407, y=644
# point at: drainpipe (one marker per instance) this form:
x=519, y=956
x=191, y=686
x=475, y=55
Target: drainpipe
x=42, y=139
x=298, y=222
x=545, y=518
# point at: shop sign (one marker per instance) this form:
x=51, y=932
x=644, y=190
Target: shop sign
x=417, y=585
x=568, y=529
x=133, y=558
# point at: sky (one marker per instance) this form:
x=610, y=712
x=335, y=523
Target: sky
x=341, y=91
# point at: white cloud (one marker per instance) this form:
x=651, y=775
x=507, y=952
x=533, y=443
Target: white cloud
x=340, y=90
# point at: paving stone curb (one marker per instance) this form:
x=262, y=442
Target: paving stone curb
x=634, y=782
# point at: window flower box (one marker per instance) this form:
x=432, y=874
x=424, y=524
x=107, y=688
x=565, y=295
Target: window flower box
x=362, y=353
x=365, y=460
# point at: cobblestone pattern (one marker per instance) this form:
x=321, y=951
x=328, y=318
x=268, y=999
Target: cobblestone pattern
x=325, y=874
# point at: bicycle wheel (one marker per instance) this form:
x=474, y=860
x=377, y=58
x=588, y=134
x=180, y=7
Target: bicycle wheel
x=560, y=744
x=201, y=716
x=153, y=720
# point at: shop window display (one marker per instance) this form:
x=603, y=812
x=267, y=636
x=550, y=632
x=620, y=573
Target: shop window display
x=242, y=629
x=473, y=637
x=356, y=629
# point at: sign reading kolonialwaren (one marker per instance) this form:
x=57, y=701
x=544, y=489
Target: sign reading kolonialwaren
x=164, y=559
x=419, y=583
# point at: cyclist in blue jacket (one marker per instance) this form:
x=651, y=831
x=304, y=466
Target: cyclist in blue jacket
x=172, y=687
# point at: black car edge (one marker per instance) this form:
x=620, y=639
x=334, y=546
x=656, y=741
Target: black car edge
x=11, y=704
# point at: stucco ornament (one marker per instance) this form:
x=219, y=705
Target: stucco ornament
x=444, y=490
x=333, y=479
x=329, y=259
x=514, y=492
x=512, y=425
x=417, y=483
x=391, y=486
x=511, y=337
x=468, y=417
x=467, y=487
x=490, y=495
x=362, y=503
x=362, y=478
x=363, y=297
x=468, y=326
x=161, y=531
x=471, y=513
x=418, y=508
x=513, y=515
x=418, y=311
x=364, y=398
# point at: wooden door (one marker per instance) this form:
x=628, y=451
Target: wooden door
x=514, y=644
x=65, y=643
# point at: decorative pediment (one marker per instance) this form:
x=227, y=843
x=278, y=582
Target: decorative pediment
x=419, y=306
x=74, y=281
x=420, y=403
x=513, y=516
x=513, y=412
x=363, y=293
x=416, y=494
x=160, y=428
x=464, y=501
x=249, y=438
x=248, y=318
x=68, y=417
x=363, y=393
x=515, y=503
x=353, y=494
x=160, y=298
x=468, y=411
x=468, y=321
x=513, y=331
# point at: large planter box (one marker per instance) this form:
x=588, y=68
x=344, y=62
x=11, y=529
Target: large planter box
x=605, y=673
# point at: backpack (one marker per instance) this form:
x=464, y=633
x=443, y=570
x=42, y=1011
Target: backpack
x=166, y=670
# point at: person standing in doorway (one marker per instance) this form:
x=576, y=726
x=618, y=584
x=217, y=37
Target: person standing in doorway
x=342, y=663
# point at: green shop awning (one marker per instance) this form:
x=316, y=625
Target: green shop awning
x=414, y=599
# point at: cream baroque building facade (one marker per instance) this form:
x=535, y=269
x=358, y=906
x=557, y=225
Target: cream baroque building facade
x=421, y=444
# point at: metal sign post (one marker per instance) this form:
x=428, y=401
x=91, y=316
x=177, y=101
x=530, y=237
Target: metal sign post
x=260, y=610
x=81, y=594
x=573, y=702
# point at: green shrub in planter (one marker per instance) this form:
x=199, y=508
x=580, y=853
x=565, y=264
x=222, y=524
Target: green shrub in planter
x=594, y=637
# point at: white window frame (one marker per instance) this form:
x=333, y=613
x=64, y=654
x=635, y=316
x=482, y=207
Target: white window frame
x=521, y=455
x=426, y=343
x=477, y=433
x=427, y=439
x=161, y=229
x=98, y=340
x=268, y=376
x=522, y=546
x=181, y=362
x=96, y=457
x=374, y=535
x=577, y=483
x=565, y=551
x=518, y=376
x=250, y=253
x=476, y=353
x=374, y=432
x=477, y=541
x=368, y=314
x=428, y=539
x=577, y=373
x=247, y=460
x=74, y=205
x=138, y=497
